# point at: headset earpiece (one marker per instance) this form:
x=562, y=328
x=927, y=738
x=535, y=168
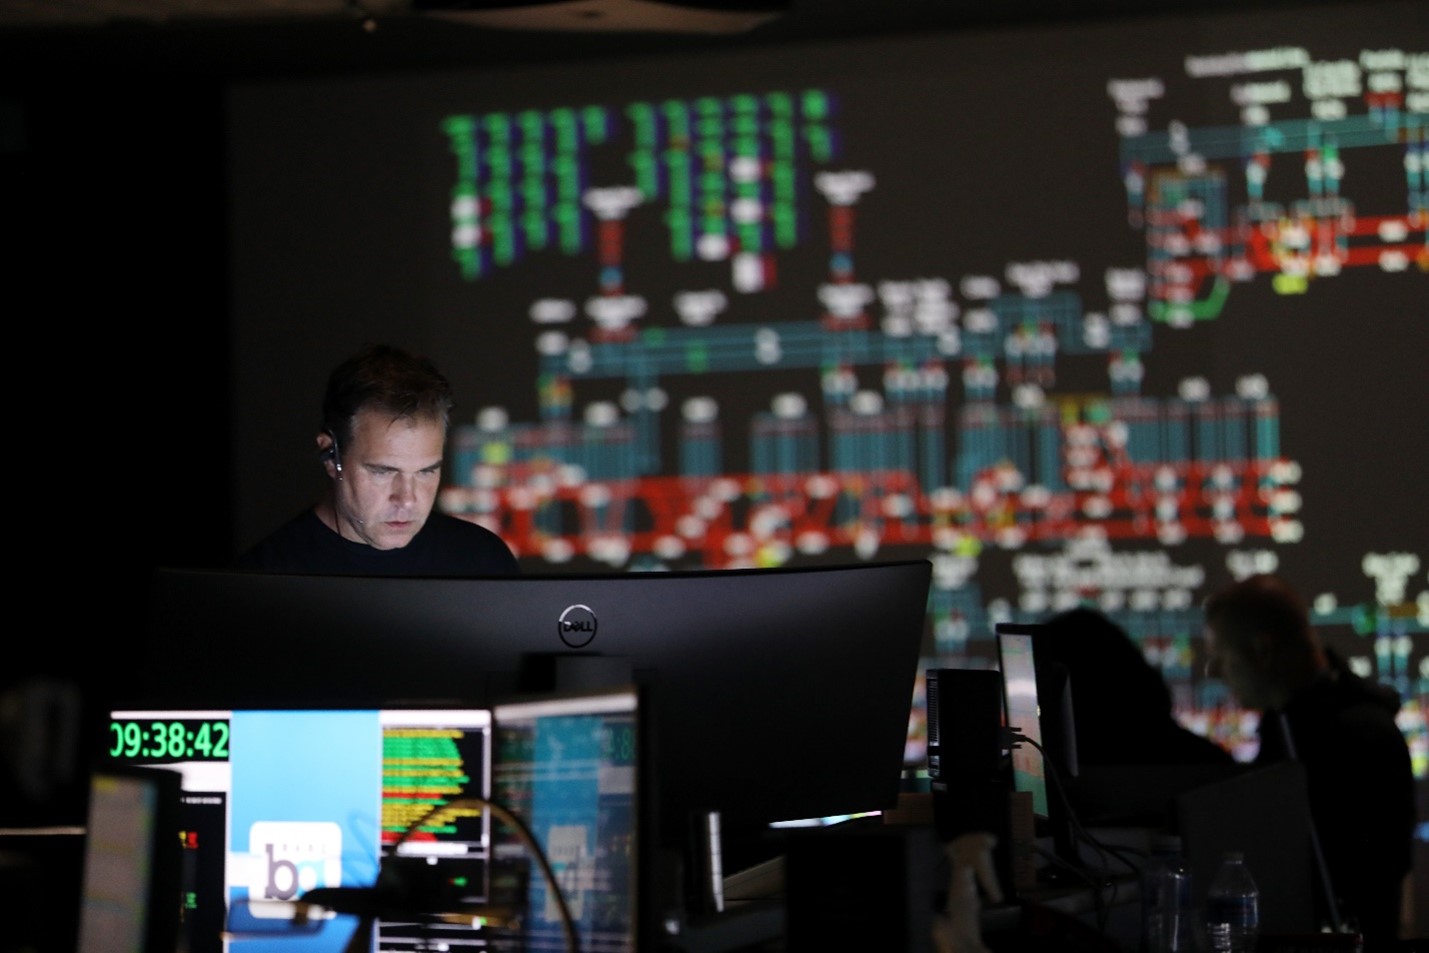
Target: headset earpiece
x=332, y=453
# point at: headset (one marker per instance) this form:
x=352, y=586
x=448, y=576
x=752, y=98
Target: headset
x=332, y=453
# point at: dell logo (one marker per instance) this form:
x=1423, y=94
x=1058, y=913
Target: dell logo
x=577, y=626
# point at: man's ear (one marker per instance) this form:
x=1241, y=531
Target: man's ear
x=327, y=454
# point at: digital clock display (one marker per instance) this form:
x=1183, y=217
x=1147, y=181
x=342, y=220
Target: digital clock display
x=168, y=740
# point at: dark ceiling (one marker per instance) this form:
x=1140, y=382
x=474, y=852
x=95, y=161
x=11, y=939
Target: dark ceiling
x=257, y=38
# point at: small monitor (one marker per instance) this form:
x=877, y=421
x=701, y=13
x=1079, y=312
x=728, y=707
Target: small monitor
x=1038, y=705
x=130, y=897
x=1020, y=700
x=570, y=769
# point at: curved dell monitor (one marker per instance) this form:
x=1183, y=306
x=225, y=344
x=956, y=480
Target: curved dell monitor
x=775, y=694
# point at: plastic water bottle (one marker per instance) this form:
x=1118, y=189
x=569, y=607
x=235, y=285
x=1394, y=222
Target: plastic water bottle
x=1232, y=907
x=1166, y=899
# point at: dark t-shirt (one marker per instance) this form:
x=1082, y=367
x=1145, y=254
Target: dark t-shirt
x=445, y=546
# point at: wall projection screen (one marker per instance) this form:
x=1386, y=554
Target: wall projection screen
x=1111, y=312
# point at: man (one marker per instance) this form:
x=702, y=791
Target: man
x=1121, y=705
x=381, y=444
x=1341, y=727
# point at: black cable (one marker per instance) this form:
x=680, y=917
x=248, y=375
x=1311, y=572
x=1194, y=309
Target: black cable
x=523, y=834
x=1080, y=833
x=370, y=904
x=1322, y=870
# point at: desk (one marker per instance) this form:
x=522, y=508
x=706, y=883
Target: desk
x=1062, y=918
x=876, y=884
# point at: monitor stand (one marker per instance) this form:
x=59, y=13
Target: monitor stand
x=574, y=672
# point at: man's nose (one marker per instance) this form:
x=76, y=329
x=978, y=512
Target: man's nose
x=404, y=489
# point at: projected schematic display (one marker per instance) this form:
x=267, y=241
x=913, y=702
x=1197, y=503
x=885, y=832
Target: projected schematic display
x=1104, y=313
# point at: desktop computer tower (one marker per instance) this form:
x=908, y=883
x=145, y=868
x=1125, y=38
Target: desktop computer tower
x=967, y=752
x=969, y=769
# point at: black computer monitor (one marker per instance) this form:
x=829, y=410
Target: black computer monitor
x=130, y=899
x=777, y=694
x=572, y=769
x=1023, y=715
x=1037, y=696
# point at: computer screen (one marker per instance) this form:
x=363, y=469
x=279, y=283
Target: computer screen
x=1019, y=691
x=570, y=769
x=1037, y=697
x=776, y=694
x=130, y=899
x=277, y=803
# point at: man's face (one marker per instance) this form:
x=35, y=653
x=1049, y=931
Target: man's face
x=391, y=470
x=1230, y=661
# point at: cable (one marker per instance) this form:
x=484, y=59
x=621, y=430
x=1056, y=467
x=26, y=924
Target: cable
x=1080, y=834
x=372, y=903
x=1322, y=870
x=1073, y=820
x=528, y=841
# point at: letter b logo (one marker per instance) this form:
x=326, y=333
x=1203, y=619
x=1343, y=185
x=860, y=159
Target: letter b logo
x=289, y=858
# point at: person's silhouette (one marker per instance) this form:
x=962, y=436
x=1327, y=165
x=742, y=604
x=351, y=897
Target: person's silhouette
x=1341, y=727
x=1121, y=705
